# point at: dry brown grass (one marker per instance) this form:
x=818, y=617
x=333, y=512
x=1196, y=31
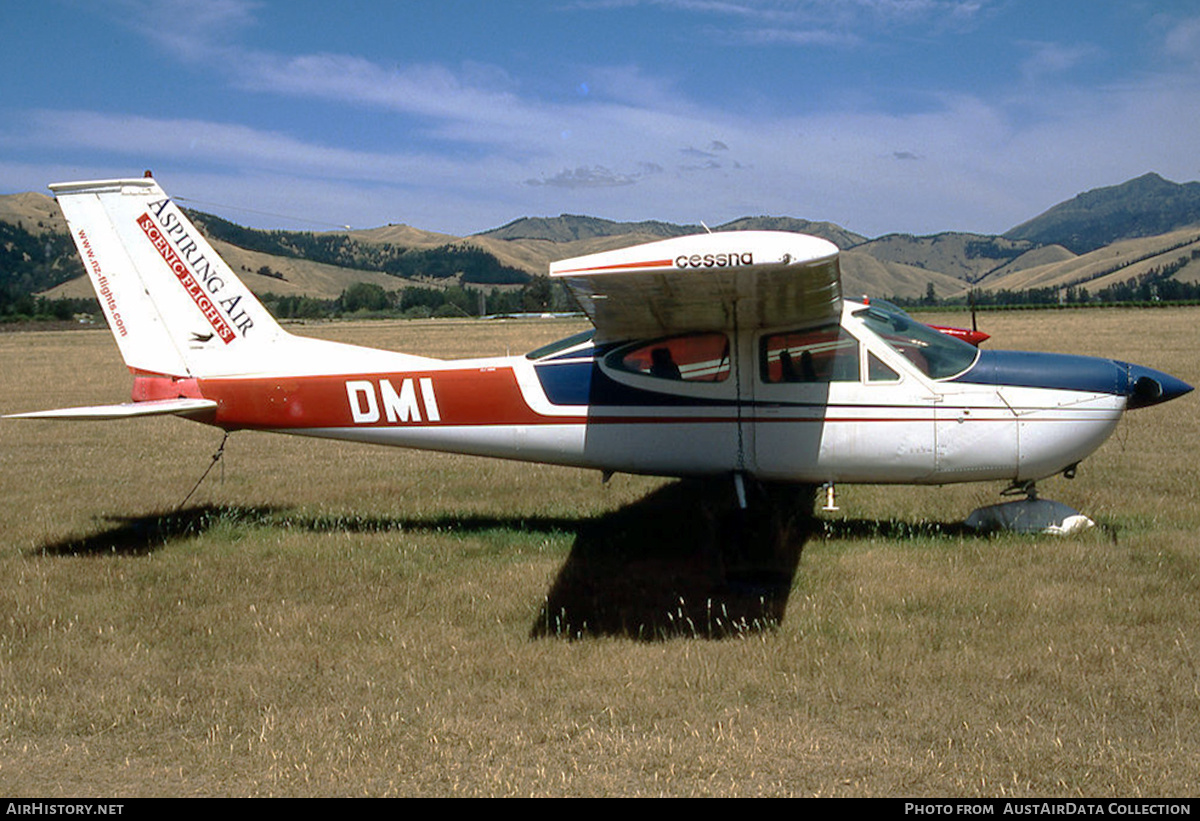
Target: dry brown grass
x=333, y=619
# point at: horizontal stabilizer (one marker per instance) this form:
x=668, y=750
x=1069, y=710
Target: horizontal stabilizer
x=129, y=410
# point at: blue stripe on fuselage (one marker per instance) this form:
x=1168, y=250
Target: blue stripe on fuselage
x=583, y=383
x=568, y=383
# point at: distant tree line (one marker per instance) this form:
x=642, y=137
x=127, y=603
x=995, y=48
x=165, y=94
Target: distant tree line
x=366, y=299
x=30, y=263
x=361, y=300
x=995, y=248
x=1154, y=287
x=24, y=307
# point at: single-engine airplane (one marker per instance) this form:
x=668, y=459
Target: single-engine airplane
x=724, y=354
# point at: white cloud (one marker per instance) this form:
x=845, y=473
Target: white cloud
x=795, y=37
x=980, y=169
x=426, y=90
x=1182, y=40
x=188, y=29
x=597, y=176
x=1051, y=59
x=799, y=11
x=479, y=150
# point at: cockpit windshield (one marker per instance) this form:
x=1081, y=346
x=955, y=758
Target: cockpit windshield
x=937, y=355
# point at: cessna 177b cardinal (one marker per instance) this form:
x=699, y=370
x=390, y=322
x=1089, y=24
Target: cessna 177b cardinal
x=728, y=354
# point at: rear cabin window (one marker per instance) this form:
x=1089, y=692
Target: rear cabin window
x=687, y=358
x=825, y=354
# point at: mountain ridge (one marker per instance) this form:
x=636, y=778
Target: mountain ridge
x=1054, y=249
x=1141, y=207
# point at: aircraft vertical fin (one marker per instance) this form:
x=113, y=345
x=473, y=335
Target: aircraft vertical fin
x=173, y=305
x=139, y=329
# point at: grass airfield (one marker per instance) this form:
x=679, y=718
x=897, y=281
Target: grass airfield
x=326, y=618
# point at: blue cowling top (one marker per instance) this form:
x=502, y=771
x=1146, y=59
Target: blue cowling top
x=1087, y=374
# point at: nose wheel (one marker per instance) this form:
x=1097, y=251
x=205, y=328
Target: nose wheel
x=1028, y=489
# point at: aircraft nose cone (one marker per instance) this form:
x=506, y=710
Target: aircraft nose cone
x=1146, y=386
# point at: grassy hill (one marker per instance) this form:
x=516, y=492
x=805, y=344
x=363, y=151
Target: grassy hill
x=37, y=256
x=33, y=212
x=836, y=234
x=1142, y=207
x=36, y=253
x=967, y=257
x=572, y=227
x=1118, y=262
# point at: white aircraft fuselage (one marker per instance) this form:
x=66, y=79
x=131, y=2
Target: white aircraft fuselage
x=712, y=355
x=576, y=407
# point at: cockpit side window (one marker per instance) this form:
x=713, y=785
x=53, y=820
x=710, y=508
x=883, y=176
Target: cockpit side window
x=701, y=357
x=877, y=371
x=825, y=354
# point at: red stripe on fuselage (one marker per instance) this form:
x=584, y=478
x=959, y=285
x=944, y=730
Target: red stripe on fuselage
x=488, y=396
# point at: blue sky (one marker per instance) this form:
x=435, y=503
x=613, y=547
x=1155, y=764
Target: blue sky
x=880, y=115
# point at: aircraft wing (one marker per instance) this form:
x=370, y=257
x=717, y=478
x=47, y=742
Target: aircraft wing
x=696, y=283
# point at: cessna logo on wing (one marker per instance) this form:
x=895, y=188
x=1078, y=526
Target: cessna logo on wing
x=728, y=260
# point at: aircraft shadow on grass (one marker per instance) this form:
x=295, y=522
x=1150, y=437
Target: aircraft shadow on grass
x=684, y=561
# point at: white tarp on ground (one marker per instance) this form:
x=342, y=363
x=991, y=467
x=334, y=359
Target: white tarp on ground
x=1030, y=516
